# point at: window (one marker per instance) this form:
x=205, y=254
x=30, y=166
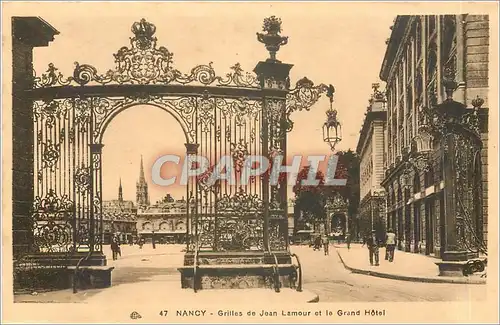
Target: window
x=432, y=25
x=416, y=183
x=409, y=114
x=393, y=96
x=449, y=33
x=418, y=83
x=401, y=140
x=409, y=128
x=418, y=38
x=409, y=60
x=429, y=178
x=400, y=82
x=431, y=60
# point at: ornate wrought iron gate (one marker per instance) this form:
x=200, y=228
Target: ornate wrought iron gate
x=458, y=132
x=237, y=115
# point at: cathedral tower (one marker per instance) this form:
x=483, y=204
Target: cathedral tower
x=142, y=197
x=120, y=191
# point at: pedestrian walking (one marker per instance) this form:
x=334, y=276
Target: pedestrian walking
x=326, y=245
x=390, y=245
x=115, y=248
x=348, y=240
x=153, y=239
x=373, y=249
x=317, y=243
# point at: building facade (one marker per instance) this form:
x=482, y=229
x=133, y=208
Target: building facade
x=166, y=221
x=119, y=218
x=371, y=150
x=436, y=74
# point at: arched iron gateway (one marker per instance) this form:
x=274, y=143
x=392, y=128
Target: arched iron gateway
x=238, y=114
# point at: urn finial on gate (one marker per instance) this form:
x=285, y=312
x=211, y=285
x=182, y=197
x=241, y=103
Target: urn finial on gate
x=449, y=83
x=272, y=39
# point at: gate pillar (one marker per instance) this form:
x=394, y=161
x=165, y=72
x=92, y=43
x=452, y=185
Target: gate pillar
x=274, y=75
x=27, y=33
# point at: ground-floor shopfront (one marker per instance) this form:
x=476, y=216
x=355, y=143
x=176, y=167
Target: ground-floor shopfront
x=164, y=237
x=415, y=211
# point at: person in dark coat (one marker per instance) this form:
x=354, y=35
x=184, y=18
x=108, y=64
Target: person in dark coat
x=115, y=248
x=153, y=240
x=373, y=249
x=317, y=243
x=348, y=240
x=326, y=244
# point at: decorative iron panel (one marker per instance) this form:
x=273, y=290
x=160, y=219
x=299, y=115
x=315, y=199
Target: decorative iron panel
x=67, y=191
x=237, y=115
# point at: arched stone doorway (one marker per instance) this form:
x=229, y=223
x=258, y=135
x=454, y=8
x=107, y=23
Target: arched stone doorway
x=338, y=221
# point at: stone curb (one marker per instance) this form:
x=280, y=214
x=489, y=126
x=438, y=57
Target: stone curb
x=410, y=278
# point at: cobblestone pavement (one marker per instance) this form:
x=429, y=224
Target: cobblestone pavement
x=323, y=275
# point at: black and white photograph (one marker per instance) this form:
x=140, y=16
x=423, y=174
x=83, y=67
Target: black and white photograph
x=263, y=162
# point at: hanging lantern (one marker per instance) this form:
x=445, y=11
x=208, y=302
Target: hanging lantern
x=332, y=129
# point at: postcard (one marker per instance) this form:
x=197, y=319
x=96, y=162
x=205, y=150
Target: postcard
x=249, y=162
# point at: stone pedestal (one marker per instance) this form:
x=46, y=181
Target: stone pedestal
x=451, y=268
x=55, y=271
x=91, y=277
x=454, y=263
x=238, y=270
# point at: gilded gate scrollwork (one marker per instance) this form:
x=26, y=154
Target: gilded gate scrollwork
x=234, y=115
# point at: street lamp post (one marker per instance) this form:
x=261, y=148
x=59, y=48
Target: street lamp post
x=332, y=134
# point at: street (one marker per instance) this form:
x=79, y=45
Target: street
x=326, y=276
x=323, y=275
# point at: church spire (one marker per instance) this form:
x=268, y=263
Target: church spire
x=142, y=196
x=120, y=191
x=141, y=173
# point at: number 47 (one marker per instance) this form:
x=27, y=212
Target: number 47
x=164, y=313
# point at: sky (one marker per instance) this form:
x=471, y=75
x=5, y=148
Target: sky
x=343, y=48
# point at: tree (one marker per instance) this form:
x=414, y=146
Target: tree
x=350, y=161
x=310, y=200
